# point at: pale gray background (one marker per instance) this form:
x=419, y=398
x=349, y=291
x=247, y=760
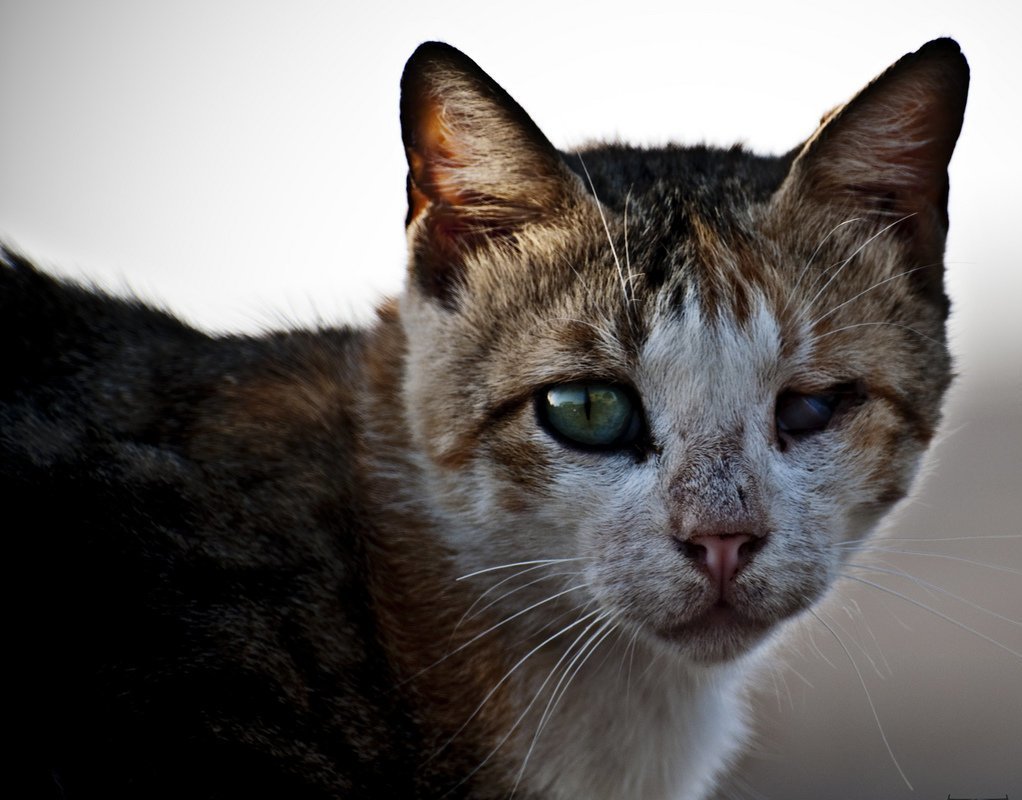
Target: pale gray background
x=240, y=162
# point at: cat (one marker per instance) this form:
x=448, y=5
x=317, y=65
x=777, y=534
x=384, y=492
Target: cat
x=530, y=532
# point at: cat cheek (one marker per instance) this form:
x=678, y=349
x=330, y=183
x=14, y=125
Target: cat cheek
x=884, y=453
x=641, y=576
x=523, y=467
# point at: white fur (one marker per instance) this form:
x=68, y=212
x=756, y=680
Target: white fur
x=638, y=724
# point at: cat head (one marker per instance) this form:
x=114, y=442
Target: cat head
x=692, y=372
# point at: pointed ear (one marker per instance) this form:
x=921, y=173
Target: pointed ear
x=886, y=152
x=478, y=168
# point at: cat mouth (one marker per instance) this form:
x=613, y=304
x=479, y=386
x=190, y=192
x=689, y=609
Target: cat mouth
x=722, y=615
x=719, y=633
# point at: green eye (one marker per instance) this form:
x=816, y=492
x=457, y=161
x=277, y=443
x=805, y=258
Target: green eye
x=593, y=415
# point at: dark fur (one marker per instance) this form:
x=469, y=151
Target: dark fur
x=196, y=603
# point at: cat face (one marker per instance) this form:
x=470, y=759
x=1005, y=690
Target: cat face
x=688, y=374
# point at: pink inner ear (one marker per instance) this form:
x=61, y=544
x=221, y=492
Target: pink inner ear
x=431, y=161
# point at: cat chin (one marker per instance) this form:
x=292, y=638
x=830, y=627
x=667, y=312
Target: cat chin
x=719, y=635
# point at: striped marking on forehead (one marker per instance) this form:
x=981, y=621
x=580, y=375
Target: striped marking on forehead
x=723, y=269
x=715, y=368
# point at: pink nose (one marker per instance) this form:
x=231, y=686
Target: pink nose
x=720, y=555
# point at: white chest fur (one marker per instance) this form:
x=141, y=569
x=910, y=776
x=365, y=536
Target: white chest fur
x=634, y=723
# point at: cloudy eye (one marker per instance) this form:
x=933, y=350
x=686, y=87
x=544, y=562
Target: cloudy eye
x=591, y=415
x=802, y=414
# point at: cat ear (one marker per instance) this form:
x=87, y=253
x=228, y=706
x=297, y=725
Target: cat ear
x=478, y=167
x=886, y=152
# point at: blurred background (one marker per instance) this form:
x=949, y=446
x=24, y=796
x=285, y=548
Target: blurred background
x=241, y=164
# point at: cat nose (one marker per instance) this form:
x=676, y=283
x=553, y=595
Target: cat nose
x=721, y=555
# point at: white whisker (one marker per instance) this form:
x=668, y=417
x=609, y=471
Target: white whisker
x=859, y=646
x=495, y=586
x=855, y=542
x=812, y=258
x=599, y=618
x=876, y=285
x=584, y=652
x=501, y=682
x=935, y=588
x=872, y=324
x=819, y=652
x=492, y=628
x=862, y=618
x=847, y=261
x=516, y=590
x=869, y=698
x=879, y=548
x=518, y=564
x=610, y=239
x=800, y=676
x=628, y=258
x=581, y=280
x=935, y=612
x=629, y=652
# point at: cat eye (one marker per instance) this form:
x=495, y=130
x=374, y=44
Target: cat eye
x=597, y=416
x=800, y=414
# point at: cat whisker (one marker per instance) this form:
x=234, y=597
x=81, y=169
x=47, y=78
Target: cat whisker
x=600, y=615
x=602, y=620
x=869, y=697
x=493, y=690
x=779, y=679
x=932, y=587
x=581, y=280
x=842, y=264
x=787, y=691
x=931, y=610
x=628, y=258
x=569, y=673
x=610, y=239
x=812, y=258
x=497, y=585
x=870, y=324
x=593, y=642
x=876, y=285
x=546, y=625
x=519, y=613
x=879, y=548
x=774, y=673
x=800, y=676
x=493, y=628
x=540, y=561
x=629, y=652
x=865, y=539
x=819, y=653
x=515, y=590
x=865, y=623
x=858, y=645
x=503, y=581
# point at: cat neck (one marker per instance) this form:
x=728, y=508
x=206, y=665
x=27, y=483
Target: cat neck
x=632, y=721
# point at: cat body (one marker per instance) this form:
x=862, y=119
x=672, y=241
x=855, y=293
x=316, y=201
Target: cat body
x=526, y=535
x=197, y=551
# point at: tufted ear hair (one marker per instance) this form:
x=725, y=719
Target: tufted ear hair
x=478, y=167
x=886, y=152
